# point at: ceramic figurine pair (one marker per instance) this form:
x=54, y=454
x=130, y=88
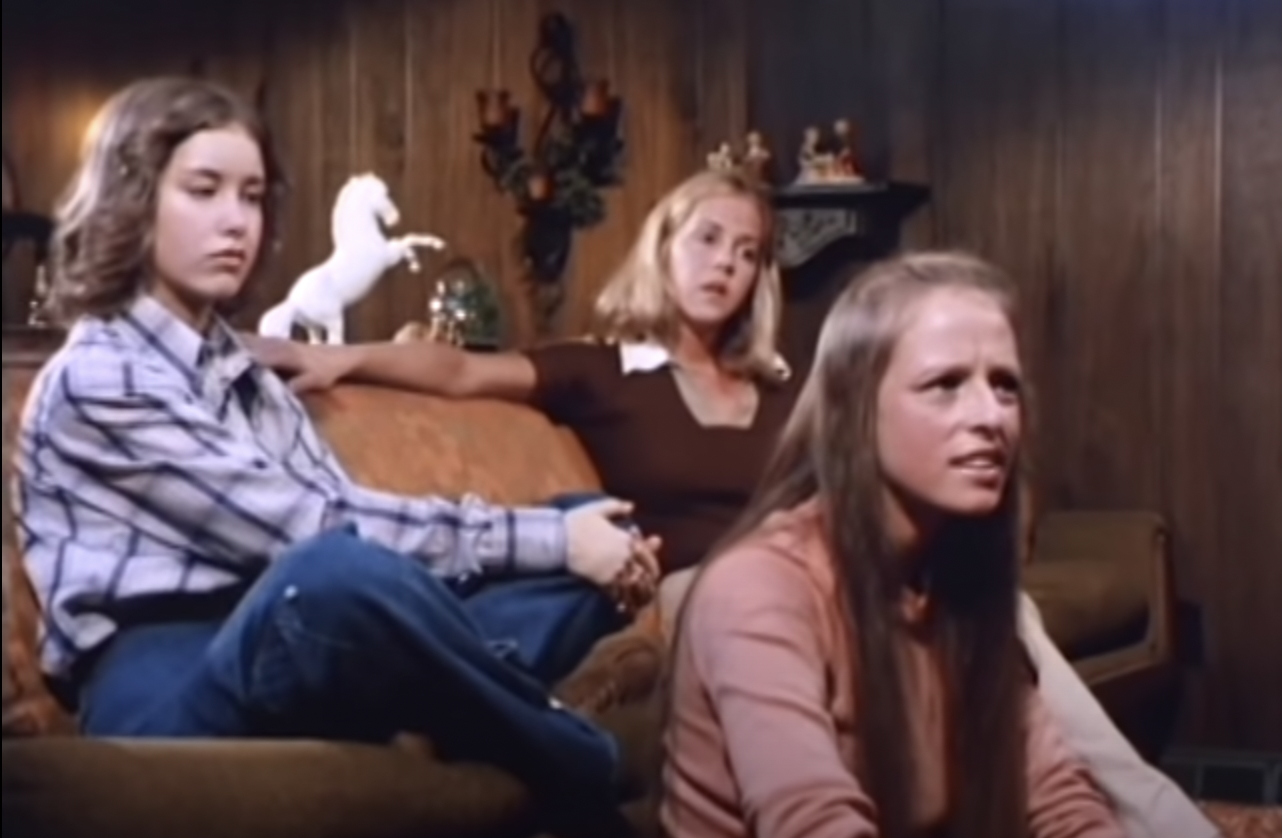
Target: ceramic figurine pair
x=754, y=160
x=823, y=162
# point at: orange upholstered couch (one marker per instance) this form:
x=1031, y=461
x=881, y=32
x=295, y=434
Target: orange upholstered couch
x=1099, y=578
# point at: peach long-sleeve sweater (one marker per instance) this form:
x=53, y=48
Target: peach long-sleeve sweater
x=761, y=739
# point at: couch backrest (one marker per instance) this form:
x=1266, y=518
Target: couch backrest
x=387, y=439
x=404, y=442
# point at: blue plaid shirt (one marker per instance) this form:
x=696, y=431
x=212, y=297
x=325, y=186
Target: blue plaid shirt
x=154, y=461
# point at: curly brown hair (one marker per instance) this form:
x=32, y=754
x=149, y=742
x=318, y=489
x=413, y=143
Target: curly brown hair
x=104, y=221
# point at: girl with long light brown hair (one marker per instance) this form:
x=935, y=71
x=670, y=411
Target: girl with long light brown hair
x=849, y=665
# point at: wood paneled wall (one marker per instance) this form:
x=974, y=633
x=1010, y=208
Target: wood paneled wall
x=1121, y=159
x=1124, y=162
x=387, y=85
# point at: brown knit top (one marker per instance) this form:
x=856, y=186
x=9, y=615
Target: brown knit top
x=688, y=481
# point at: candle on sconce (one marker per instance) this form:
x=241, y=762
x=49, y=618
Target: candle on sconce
x=539, y=186
x=494, y=107
x=596, y=98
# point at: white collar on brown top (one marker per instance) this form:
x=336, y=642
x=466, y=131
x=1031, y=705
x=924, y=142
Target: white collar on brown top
x=637, y=357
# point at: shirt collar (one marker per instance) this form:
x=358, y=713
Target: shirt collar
x=190, y=352
x=638, y=357
x=643, y=357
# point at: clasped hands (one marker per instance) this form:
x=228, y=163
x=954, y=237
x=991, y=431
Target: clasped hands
x=619, y=560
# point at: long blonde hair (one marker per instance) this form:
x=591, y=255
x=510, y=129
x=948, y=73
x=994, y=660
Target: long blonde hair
x=637, y=304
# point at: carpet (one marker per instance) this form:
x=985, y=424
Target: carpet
x=1239, y=821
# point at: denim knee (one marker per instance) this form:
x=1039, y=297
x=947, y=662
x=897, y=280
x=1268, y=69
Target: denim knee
x=312, y=621
x=338, y=569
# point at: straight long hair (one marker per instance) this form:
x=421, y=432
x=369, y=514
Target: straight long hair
x=828, y=451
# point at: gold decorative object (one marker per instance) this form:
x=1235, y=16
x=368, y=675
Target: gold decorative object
x=755, y=161
x=722, y=159
x=462, y=309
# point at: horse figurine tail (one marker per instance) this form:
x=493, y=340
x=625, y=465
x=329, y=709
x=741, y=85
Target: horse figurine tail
x=278, y=321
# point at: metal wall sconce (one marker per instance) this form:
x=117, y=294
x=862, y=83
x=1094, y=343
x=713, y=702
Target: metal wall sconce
x=575, y=153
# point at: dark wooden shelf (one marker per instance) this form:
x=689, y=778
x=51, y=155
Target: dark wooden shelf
x=813, y=217
x=886, y=196
x=825, y=234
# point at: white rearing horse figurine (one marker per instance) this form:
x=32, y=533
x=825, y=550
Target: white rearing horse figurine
x=362, y=254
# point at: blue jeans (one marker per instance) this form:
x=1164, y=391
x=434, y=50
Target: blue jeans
x=343, y=639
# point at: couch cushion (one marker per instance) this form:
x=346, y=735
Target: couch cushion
x=1089, y=605
x=29, y=709
x=6, y=615
x=70, y=787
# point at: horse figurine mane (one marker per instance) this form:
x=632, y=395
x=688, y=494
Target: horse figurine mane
x=362, y=253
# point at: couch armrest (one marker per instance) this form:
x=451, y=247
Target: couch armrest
x=1135, y=544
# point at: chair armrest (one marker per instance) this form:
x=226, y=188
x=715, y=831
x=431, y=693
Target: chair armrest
x=1137, y=542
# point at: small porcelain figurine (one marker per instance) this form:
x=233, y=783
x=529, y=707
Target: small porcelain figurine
x=37, y=309
x=757, y=158
x=807, y=154
x=722, y=160
x=362, y=254
x=846, y=163
x=814, y=163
